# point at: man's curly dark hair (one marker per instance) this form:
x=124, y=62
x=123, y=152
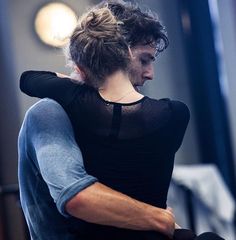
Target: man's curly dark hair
x=139, y=27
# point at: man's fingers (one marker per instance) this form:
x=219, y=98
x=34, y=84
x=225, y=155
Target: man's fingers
x=170, y=211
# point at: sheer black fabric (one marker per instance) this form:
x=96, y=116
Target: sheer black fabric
x=128, y=147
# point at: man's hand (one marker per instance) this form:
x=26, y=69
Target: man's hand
x=171, y=211
x=168, y=222
x=102, y=205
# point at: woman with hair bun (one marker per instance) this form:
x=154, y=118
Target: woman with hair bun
x=97, y=47
x=128, y=140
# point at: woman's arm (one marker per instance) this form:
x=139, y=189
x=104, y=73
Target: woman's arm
x=43, y=84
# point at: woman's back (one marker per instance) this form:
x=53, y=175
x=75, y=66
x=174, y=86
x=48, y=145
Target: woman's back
x=129, y=147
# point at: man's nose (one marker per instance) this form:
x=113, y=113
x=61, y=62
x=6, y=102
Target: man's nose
x=149, y=73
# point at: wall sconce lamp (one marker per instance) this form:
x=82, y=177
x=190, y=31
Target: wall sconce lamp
x=54, y=23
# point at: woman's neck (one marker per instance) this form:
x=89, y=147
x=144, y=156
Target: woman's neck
x=118, y=88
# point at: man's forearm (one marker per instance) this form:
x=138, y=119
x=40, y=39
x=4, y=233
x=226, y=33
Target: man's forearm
x=102, y=205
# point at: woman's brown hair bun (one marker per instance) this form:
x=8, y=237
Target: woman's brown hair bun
x=101, y=23
x=97, y=46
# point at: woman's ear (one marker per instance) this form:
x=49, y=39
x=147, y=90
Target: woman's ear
x=80, y=72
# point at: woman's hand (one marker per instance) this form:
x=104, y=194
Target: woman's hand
x=177, y=226
x=62, y=75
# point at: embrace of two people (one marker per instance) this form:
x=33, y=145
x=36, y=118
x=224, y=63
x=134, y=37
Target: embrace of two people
x=96, y=158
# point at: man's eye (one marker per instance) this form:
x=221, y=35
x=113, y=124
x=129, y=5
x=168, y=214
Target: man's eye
x=144, y=62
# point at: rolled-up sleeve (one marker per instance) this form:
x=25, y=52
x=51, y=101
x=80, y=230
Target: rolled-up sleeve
x=56, y=153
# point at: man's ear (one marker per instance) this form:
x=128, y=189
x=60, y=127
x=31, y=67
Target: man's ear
x=80, y=72
x=131, y=54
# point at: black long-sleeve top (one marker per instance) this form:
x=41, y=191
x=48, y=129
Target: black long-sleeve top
x=129, y=147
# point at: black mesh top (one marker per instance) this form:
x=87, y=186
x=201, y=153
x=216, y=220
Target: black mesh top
x=128, y=147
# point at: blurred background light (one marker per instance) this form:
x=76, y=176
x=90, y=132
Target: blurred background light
x=54, y=23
